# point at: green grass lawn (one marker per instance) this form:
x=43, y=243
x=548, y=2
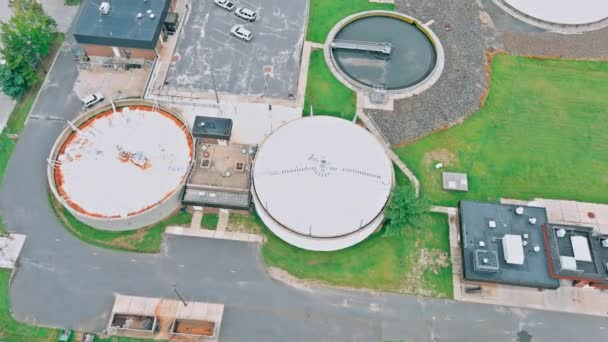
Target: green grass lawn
x=543, y=132
x=16, y=120
x=325, y=93
x=144, y=240
x=324, y=14
x=209, y=221
x=416, y=262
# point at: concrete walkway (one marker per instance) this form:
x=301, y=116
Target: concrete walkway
x=221, y=232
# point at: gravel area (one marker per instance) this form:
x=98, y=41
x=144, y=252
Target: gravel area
x=590, y=45
x=461, y=29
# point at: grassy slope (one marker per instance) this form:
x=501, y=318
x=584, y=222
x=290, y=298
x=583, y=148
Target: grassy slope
x=381, y=263
x=17, y=118
x=325, y=93
x=144, y=240
x=543, y=132
x=324, y=14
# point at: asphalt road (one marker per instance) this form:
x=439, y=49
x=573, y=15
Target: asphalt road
x=63, y=282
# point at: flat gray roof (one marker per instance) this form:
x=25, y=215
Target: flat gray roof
x=595, y=270
x=480, y=241
x=121, y=27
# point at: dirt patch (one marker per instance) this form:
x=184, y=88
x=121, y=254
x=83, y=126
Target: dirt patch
x=427, y=260
x=440, y=155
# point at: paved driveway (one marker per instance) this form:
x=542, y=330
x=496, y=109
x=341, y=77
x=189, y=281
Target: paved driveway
x=205, y=45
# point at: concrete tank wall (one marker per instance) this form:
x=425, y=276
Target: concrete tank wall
x=148, y=217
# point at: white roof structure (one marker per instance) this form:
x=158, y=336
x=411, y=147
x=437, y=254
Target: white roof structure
x=568, y=263
x=321, y=183
x=122, y=163
x=513, y=249
x=580, y=246
x=570, y=12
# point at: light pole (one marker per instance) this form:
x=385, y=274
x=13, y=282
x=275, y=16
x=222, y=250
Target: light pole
x=179, y=295
x=217, y=99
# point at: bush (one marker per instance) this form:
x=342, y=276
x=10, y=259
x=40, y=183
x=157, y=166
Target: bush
x=404, y=210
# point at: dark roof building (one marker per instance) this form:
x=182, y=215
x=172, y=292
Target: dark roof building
x=577, y=253
x=211, y=127
x=504, y=244
x=125, y=23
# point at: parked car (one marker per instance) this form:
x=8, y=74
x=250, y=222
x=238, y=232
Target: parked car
x=241, y=33
x=225, y=4
x=246, y=13
x=92, y=100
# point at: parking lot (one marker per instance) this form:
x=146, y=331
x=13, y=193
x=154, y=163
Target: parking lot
x=268, y=65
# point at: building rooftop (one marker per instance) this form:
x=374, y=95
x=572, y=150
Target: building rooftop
x=504, y=244
x=120, y=26
x=212, y=127
x=220, y=176
x=578, y=252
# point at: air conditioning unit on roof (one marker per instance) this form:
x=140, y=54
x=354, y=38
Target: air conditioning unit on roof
x=104, y=8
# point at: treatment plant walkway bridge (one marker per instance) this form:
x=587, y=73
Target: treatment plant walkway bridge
x=381, y=47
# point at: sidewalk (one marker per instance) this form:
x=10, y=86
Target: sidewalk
x=220, y=232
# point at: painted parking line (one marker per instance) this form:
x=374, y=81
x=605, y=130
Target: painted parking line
x=228, y=46
x=222, y=32
x=249, y=4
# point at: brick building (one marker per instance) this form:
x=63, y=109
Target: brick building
x=131, y=31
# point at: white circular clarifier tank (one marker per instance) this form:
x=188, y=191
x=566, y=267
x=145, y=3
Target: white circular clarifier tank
x=321, y=183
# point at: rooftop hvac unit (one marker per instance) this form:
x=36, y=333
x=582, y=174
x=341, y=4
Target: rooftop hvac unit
x=560, y=232
x=532, y=220
x=139, y=15
x=605, y=243
x=104, y=8
x=519, y=210
x=152, y=16
x=492, y=224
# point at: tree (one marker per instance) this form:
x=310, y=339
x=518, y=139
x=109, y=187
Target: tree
x=403, y=210
x=26, y=39
x=11, y=83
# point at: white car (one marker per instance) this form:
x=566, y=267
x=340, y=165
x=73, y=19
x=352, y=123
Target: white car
x=246, y=13
x=225, y=4
x=241, y=33
x=92, y=99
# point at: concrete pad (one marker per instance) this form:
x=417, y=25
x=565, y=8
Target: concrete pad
x=115, y=84
x=584, y=211
x=197, y=216
x=570, y=211
x=601, y=214
x=554, y=209
x=10, y=248
x=253, y=122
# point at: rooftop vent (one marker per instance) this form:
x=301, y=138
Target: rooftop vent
x=139, y=15
x=149, y=11
x=152, y=16
x=536, y=249
x=482, y=244
x=532, y=220
x=560, y=232
x=104, y=8
x=492, y=224
x=519, y=210
x=605, y=243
